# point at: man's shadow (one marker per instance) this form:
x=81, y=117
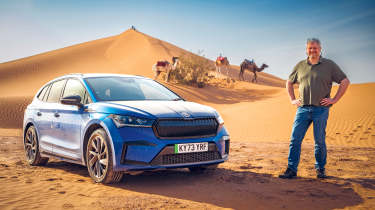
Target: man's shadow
x=235, y=189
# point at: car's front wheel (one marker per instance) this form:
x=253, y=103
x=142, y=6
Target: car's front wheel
x=99, y=158
x=31, y=146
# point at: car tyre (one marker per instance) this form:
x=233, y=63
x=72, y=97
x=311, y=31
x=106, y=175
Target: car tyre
x=99, y=158
x=31, y=146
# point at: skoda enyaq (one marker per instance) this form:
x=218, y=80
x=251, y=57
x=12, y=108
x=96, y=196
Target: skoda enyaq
x=118, y=123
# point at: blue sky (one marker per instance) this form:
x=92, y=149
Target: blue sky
x=273, y=32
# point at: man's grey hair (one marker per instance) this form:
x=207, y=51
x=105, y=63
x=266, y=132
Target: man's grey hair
x=313, y=40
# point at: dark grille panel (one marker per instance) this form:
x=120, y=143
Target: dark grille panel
x=123, y=153
x=189, y=157
x=168, y=157
x=227, y=147
x=173, y=128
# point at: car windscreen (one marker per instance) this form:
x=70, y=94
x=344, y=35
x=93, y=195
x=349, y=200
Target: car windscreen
x=128, y=89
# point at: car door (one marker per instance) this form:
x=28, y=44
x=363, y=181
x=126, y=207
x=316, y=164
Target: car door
x=48, y=114
x=43, y=119
x=70, y=122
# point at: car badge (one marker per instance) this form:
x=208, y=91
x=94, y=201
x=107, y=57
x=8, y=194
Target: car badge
x=185, y=114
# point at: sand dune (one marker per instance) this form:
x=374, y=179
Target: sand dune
x=131, y=52
x=11, y=111
x=258, y=117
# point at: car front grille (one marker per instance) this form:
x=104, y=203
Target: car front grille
x=168, y=156
x=185, y=128
x=189, y=157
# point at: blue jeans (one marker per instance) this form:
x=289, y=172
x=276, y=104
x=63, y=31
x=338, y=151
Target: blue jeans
x=304, y=117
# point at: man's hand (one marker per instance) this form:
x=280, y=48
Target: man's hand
x=297, y=102
x=290, y=90
x=327, y=101
x=340, y=92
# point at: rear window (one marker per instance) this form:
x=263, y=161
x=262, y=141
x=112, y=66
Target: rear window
x=55, y=92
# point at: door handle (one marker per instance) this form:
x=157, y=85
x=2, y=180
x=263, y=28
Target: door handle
x=39, y=114
x=57, y=114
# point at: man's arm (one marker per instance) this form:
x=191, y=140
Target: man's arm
x=290, y=90
x=344, y=84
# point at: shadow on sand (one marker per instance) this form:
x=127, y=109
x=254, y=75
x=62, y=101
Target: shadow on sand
x=236, y=189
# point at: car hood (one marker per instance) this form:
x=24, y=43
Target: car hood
x=158, y=109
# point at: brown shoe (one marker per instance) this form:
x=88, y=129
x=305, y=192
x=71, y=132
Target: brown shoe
x=288, y=174
x=321, y=174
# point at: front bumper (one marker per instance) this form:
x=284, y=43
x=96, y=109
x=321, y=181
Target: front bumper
x=139, y=149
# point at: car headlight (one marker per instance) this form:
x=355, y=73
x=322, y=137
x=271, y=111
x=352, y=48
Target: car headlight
x=123, y=120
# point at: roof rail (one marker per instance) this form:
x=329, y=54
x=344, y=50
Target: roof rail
x=78, y=74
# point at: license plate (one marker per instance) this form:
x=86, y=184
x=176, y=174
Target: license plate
x=191, y=147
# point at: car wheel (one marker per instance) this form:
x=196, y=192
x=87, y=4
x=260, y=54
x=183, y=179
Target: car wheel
x=31, y=145
x=99, y=158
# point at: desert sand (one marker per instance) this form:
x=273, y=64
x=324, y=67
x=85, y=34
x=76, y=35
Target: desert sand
x=258, y=117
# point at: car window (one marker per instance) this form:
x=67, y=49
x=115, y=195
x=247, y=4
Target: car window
x=43, y=92
x=115, y=89
x=126, y=89
x=87, y=98
x=154, y=92
x=55, y=92
x=47, y=92
x=74, y=87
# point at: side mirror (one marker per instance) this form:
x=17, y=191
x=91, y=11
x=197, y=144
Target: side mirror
x=72, y=100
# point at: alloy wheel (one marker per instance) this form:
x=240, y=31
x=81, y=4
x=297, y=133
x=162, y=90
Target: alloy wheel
x=31, y=144
x=98, y=156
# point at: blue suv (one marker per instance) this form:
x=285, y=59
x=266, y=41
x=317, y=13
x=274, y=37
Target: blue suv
x=120, y=123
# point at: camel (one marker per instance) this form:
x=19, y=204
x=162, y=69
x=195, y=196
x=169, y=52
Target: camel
x=221, y=62
x=251, y=66
x=164, y=66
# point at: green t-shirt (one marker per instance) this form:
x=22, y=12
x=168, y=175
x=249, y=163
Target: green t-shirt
x=315, y=81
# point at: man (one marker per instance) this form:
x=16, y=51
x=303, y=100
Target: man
x=315, y=76
x=220, y=58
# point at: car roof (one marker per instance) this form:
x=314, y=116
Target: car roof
x=92, y=75
x=89, y=75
